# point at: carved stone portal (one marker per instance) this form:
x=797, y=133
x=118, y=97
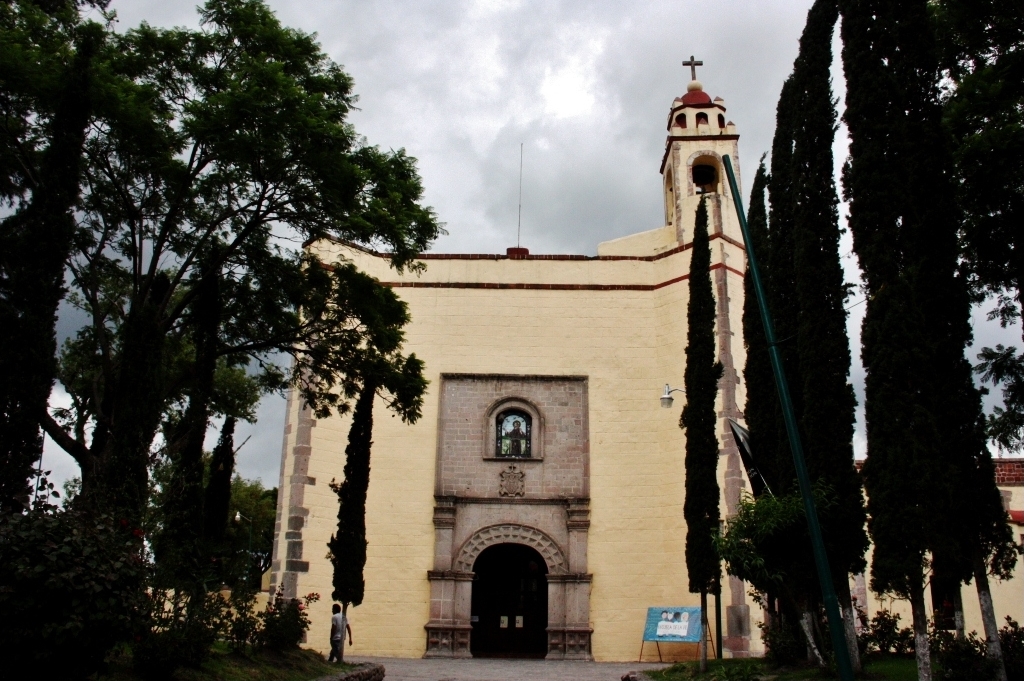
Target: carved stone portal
x=541, y=502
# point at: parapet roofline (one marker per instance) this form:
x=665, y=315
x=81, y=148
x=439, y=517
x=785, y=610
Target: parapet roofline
x=498, y=256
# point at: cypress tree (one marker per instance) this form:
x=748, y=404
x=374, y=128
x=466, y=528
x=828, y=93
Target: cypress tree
x=780, y=283
x=927, y=463
x=218, y=489
x=828, y=403
x=761, y=412
x=807, y=295
x=761, y=397
x=347, y=547
x=700, y=381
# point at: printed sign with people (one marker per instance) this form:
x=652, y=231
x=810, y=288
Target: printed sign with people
x=673, y=624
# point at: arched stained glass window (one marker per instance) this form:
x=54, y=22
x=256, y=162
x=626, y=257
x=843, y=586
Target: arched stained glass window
x=513, y=434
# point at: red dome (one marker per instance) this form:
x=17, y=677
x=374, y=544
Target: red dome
x=696, y=97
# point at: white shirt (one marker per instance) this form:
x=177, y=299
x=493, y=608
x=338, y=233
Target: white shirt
x=338, y=624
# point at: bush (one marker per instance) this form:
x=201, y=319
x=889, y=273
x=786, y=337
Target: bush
x=244, y=626
x=1011, y=638
x=782, y=641
x=885, y=635
x=960, y=659
x=285, y=621
x=71, y=588
x=182, y=631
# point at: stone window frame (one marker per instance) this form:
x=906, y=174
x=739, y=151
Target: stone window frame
x=491, y=428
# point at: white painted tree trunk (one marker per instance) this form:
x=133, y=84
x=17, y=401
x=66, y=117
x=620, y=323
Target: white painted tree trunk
x=808, y=629
x=851, y=636
x=958, y=613
x=849, y=622
x=988, y=618
x=922, y=651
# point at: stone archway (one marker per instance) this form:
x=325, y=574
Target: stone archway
x=449, y=630
x=509, y=533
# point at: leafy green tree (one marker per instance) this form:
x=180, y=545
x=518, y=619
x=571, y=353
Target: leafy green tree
x=258, y=509
x=235, y=139
x=928, y=466
x=1003, y=366
x=49, y=94
x=700, y=382
x=982, y=50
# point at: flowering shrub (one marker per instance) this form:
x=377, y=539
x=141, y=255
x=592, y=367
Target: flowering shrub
x=285, y=621
x=885, y=635
x=70, y=588
x=182, y=629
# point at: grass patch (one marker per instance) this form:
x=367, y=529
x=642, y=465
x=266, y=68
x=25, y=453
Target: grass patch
x=892, y=668
x=225, y=665
x=876, y=668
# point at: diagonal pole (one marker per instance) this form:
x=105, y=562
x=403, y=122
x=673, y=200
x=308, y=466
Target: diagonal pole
x=828, y=591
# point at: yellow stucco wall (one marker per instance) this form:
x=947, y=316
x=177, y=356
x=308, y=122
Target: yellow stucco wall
x=629, y=343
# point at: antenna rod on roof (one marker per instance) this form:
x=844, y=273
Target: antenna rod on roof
x=519, y=227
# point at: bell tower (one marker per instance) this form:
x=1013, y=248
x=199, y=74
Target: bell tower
x=698, y=137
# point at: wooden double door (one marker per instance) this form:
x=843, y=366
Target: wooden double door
x=510, y=603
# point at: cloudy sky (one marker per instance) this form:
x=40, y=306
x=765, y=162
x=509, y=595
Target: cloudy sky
x=584, y=86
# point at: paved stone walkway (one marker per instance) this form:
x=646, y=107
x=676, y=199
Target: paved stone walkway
x=405, y=669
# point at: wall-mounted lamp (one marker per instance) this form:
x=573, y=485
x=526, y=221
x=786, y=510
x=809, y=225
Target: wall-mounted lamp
x=666, y=399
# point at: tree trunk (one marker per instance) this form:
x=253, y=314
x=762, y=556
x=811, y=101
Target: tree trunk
x=922, y=651
x=988, y=618
x=807, y=626
x=341, y=646
x=703, y=645
x=183, y=549
x=849, y=621
x=137, y=407
x=34, y=245
x=958, y=613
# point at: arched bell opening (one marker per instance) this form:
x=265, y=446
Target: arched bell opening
x=509, y=605
x=704, y=173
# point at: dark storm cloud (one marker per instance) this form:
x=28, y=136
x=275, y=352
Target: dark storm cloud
x=586, y=87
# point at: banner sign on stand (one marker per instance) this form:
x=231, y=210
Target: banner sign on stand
x=673, y=625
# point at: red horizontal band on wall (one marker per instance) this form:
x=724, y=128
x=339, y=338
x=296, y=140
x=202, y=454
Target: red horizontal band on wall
x=547, y=287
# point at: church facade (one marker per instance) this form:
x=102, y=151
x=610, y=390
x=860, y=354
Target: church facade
x=536, y=507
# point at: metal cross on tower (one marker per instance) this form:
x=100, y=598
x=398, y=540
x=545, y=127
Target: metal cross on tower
x=693, y=66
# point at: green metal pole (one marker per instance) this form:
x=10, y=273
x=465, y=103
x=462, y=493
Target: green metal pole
x=828, y=591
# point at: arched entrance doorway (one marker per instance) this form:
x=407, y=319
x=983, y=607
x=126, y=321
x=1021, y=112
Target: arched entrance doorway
x=509, y=611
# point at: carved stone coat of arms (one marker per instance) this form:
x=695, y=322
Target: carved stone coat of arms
x=513, y=482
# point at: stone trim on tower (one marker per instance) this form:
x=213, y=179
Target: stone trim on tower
x=285, y=570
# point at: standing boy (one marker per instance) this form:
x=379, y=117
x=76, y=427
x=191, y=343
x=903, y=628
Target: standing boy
x=339, y=626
